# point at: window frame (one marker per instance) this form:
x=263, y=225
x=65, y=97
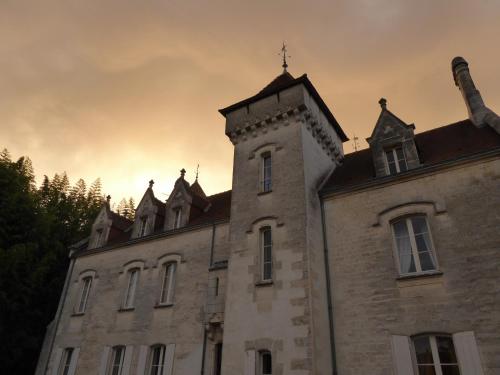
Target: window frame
x=162, y=357
x=414, y=248
x=436, y=360
x=168, y=281
x=263, y=247
x=84, y=294
x=143, y=225
x=177, y=218
x=99, y=237
x=112, y=365
x=266, y=173
x=129, y=298
x=393, y=151
x=65, y=363
x=260, y=363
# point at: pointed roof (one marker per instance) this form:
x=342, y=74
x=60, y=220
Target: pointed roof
x=196, y=189
x=383, y=113
x=284, y=81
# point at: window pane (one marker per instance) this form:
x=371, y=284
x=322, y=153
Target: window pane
x=406, y=261
x=266, y=234
x=426, y=370
x=267, y=254
x=401, y=159
x=266, y=173
x=426, y=261
x=391, y=162
x=419, y=224
x=267, y=271
x=446, y=349
x=267, y=367
x=450, y=370
x=423, y=350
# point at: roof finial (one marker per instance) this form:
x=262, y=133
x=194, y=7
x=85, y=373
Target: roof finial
x=197, y=171
x=183, y=172
x=151, y=183
x=283, y=53
x=383, y=103
x=108, y=198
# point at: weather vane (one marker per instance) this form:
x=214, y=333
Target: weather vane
x=355, y=139
x=283, y=53
x=197, y=170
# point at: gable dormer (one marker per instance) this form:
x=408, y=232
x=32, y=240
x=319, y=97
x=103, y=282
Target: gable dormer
x=149, y=215
x=108, y=227
x=392, y=144
x=184, y=203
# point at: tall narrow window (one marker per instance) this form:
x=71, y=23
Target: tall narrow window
x=218, y=359
x=133, y=276
x=168, y=284
x=216, y=286
x=84, y=294
x=178, y=218
x=116, y=365
x=143, y=226
x=266, y=173
x=157, y=360
x=266, y=253
x=396, y=161
x=98, y=238
x=65, y=361
x=435, y=355
x=266, y=363
x=414, y=245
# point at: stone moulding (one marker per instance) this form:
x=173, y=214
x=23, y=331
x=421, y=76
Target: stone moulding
x=300, y=114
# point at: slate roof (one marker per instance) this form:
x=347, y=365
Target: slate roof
x=282, y=82
x=450, y=142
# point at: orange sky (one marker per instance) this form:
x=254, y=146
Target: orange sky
x=129, y=90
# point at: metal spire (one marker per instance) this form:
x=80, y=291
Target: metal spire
x=197, y=170
x=283, y=53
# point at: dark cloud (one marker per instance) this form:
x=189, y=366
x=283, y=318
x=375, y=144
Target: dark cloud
x=129, y=90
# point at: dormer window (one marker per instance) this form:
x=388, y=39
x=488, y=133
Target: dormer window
x=396, y=161
x=266, y=181
x=143, y=226
x=98, y=238
x=178, y=218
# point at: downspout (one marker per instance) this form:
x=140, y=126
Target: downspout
x=328, y=290
x=60, y=308
x=212, y=245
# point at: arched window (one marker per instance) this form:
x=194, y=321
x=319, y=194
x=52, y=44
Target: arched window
x=156, y=360
x=435, y=355
x=415, y=251
x=84, y=294
x=168, y=283
x=266, y=256
x=117, y=358
x=133, y=277
x=265, y=363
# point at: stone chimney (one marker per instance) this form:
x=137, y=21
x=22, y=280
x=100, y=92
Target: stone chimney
x=479, y=114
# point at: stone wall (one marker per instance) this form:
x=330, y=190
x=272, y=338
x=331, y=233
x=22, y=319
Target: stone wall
x=462, y=205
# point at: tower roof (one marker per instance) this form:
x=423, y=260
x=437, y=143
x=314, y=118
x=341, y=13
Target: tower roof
x=280, y=83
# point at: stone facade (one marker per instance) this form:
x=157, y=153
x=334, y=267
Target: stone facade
x=296, y=270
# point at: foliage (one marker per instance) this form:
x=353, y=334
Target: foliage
x=37, y=225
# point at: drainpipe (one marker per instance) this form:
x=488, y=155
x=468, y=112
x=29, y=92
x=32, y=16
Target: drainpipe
x=328, y=289
x=212, y=245
x=60, y=308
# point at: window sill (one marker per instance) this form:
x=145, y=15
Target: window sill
x=163, y=305
x=419, y=275
x=122, y=309
x=264, y=283
x=78, y=314
x=264, y=192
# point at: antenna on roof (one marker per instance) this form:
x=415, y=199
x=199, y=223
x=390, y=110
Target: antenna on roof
x=355, y=139
x=283, y=53
x=197, y=171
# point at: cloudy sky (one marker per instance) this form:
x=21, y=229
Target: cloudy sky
x=129, y=90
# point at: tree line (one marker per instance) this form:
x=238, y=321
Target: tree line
x=37, y=226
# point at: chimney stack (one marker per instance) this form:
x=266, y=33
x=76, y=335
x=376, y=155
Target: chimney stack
x=473, y=100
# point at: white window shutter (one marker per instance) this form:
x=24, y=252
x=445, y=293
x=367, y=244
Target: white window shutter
x=169, y=359
x=56, y=363
x=127, y=360
x=104, y=360
x=250, y=362
x=467, y=353
x=74, y=361
x=141, y=363
x=401, y=353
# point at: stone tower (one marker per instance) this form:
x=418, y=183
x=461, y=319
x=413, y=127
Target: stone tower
x=286, y=143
